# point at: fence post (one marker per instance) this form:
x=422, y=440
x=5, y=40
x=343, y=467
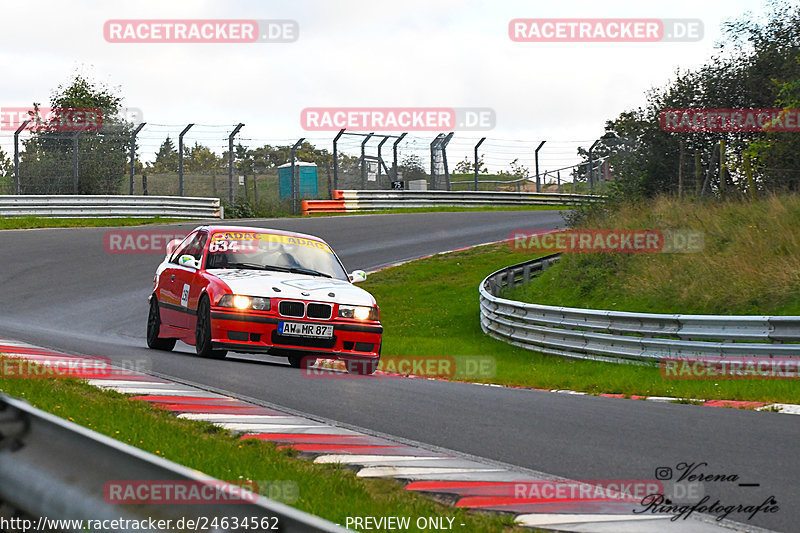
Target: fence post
x=697, y=172
x=230, y=161
x=133, y=152
x=434, y=145
x=364, y=161
x=180, y=159
x=336, y=159
x=75, y=162
x=536, y=156
x=380, y=161
x=591, y=166
x=444, y=158
x=476, y=161
x=680, y=168
x=16, y=155
x=748, y=172
x=558, y=175
x=722, y=166
x=394, y=155
x=294, y=180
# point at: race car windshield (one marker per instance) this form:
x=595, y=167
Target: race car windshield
x=268, y=251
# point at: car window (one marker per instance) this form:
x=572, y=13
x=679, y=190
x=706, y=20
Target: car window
x=189, y=245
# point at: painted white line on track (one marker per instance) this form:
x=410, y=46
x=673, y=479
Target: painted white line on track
x=363, y=459
x=537, y=519
x=785, y=408
x=400, y=471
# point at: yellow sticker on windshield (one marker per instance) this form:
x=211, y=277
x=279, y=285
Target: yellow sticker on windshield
x=270, y=237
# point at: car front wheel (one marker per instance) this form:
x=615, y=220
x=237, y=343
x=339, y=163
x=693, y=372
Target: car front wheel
x=153, y=326
x=202, y=334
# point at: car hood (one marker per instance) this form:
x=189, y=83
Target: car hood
x=292, y=286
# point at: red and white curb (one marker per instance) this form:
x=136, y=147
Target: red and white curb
x=472, y=484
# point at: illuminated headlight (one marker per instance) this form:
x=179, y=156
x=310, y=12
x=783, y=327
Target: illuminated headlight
x=358, y=312
x=238, y=301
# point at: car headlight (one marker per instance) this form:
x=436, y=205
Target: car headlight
x=238, y=301
x=359, y=312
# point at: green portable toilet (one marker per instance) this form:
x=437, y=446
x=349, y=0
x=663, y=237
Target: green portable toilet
x=307, y=176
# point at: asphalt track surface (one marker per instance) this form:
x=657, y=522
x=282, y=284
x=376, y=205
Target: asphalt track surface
x=62, y=290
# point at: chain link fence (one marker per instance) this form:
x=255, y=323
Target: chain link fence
x=256, y=174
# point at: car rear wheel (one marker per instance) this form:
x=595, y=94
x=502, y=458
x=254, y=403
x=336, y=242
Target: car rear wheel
x=302, y=361
x=202, y=333
x=363, y=367
x=153, y=326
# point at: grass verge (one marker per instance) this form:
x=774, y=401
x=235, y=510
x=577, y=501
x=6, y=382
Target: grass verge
x=30, y=222
x=750, y=262
x=329, y=491
x=430, y=308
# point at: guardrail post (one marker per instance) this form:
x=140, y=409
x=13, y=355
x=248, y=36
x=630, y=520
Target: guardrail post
x=394, y=155
x=16, y=156
x=476, y=161
x=230, y=161
x=364, y=161
x=133, y=152
x=293, y=182
x=536, y=156
x=180, y=159
x=336, y=160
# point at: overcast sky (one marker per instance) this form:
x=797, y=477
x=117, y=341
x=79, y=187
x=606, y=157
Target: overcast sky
x=357, y=53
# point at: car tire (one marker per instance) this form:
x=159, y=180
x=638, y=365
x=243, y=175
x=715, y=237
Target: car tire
x=202, y=332
x=302, y=361
x=363, y=367
x=153, y=326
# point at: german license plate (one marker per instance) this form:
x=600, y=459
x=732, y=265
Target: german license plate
x=305, y=329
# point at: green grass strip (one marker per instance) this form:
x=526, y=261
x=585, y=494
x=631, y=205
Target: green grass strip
x=430, y=308
x=30, y=222
x=329, y=491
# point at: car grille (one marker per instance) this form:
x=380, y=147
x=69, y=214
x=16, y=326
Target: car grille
x=323, y=311
x=287, y=308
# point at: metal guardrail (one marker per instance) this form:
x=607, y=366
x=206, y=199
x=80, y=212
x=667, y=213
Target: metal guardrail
x=52, y=468
x=618, y=336
x=355, y=201
x=370, y=200
x=112, y=206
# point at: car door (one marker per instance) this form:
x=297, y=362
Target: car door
x=190, y=283
x=175, y=284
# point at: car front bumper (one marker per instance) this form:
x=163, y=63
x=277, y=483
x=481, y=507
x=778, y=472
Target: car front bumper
x=258, y=333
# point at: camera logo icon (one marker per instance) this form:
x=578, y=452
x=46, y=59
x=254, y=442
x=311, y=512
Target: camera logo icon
x=663, y=473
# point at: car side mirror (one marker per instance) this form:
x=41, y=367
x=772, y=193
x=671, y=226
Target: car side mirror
x=357, y=276
x=189, y=261
x=171, y=245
